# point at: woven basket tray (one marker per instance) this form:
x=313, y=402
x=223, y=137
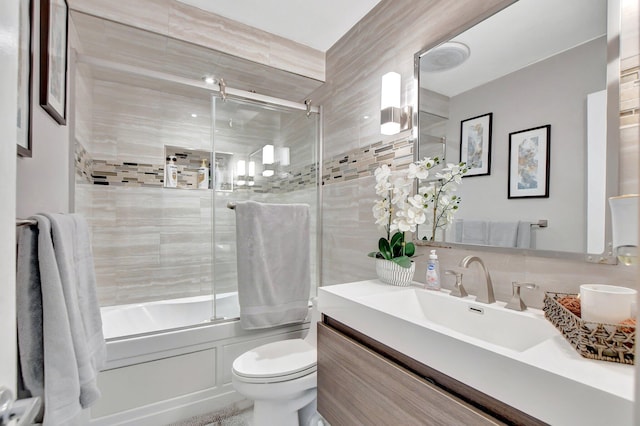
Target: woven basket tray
x=606, y=342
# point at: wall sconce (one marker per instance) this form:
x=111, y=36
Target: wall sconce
x=267, y=154
x=241, y=171
x=624, y=224
x=283, y=156
x=393, y=118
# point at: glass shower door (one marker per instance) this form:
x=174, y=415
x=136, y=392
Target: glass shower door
x=263, y=152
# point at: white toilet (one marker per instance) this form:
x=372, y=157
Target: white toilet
x=281, y=379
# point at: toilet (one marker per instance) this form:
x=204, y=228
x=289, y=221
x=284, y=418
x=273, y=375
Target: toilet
x=281, y=379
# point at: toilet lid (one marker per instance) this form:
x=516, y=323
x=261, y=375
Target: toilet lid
x=283, y=360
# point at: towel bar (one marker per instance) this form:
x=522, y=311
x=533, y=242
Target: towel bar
x=23, y=222
x=231, y=205
x=543, y=223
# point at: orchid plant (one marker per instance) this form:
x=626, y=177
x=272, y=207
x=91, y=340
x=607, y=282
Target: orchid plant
x=399, y=211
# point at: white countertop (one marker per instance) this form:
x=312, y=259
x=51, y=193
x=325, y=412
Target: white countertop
x=549, y=381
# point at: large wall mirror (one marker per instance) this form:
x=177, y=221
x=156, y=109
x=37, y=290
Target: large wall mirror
x=537, y=64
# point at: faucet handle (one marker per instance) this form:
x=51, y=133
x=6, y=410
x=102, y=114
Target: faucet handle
x=458, y=289
x=516, y=302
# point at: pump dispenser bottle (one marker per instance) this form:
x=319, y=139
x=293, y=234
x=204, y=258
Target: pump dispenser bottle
x=203, y=175
x=433, y=272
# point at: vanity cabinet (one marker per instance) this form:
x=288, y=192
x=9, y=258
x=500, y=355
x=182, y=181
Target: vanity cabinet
x=363, y=382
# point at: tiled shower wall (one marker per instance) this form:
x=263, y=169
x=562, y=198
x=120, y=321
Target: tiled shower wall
x=154, y=243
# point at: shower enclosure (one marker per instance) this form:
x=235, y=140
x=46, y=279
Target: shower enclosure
x=161, y=251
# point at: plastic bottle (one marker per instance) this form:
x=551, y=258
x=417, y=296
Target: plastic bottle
x=171, y=173
x=433, y=272
x=203, y=175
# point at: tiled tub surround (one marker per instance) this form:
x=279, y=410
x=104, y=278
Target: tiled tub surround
x=154, y=243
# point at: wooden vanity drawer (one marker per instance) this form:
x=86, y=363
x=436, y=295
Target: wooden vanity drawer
x=361, y=382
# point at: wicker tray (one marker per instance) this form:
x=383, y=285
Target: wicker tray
x=606, y=342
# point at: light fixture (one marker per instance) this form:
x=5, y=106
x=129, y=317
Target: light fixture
x=283, y=156
x=252, y=168
x=241, y=171
x=393, y=119
x=624, y=226
x=209, y=79
x=194, y=115
x=267, y=154
x=445, y=57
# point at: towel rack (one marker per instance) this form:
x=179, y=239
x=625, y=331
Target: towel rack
x=231, y=205
x=23, y=222
x=542, y=223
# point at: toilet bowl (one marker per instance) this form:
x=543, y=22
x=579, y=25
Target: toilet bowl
x=281, y=379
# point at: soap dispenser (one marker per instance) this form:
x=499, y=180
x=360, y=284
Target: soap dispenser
x=433, y=272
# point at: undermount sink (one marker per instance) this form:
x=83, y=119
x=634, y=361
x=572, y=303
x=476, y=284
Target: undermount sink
x=493, y=323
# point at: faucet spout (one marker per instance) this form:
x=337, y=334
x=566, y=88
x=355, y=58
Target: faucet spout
x=488, y=296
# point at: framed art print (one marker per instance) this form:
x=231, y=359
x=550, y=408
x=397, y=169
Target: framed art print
x=475, y=144
x=24, y=80
x=54, y=15
x=529, y=156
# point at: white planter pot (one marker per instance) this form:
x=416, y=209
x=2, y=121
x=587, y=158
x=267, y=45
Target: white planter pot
x=391, y=273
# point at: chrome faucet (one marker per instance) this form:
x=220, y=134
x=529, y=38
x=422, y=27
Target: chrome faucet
x=488, y=297
x=516, y=302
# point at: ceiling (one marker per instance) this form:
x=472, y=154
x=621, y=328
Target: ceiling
x=317, y=24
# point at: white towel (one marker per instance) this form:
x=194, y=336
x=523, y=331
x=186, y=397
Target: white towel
x=503, y=233
x=475, y=232
x=61, y=345
x=273, y=256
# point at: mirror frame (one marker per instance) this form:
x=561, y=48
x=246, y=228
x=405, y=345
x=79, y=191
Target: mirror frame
x=612, y=146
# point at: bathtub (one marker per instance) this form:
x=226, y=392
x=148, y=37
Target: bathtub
x=167, y=361
x=140, y=318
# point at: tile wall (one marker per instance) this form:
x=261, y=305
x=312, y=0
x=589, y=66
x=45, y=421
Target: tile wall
x=154, y=243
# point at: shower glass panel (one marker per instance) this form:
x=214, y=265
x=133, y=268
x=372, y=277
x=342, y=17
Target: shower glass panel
x=152, y=245
x=266, y=153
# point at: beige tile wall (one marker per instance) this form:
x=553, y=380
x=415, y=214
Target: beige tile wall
x=386, y=40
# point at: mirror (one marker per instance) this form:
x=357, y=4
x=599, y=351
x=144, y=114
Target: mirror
x=533, y=64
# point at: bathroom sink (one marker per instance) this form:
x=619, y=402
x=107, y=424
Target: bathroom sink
x=493, y=323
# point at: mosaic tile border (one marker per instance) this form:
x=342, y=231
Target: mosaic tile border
x=362, y=162
x=132, y=174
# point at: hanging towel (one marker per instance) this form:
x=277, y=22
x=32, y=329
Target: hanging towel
x=475, y=232
x=524, y=235
x=60, y=339
x=503, y=233
x=273, y=256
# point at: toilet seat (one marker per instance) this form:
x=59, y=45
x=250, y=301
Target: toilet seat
x=276, y=362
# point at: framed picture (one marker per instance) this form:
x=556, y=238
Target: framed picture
x=54, y=15
x=529, y=162
x=24, y=80
x=475, y=144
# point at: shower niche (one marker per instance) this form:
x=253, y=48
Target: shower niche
x=186, y=168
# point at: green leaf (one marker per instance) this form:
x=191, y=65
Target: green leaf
x=373, y=254
x=385, y=250
x=397, y=239
x=403, y=261
x=409, y=249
